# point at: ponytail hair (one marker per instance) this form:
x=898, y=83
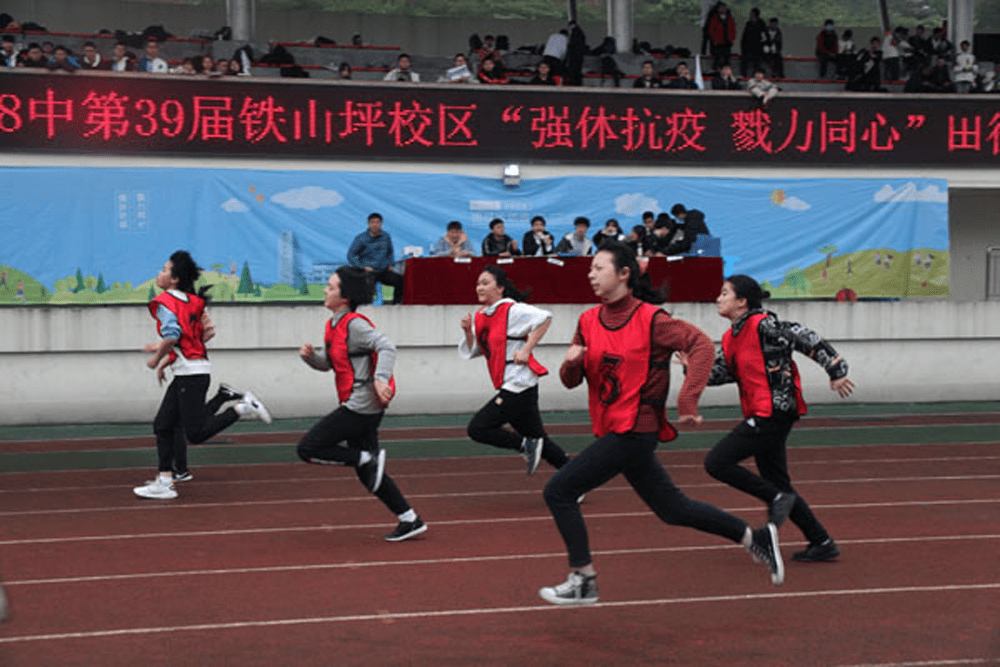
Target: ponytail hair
x=745, y=287
x=510, y=290
x=638, y=280
x=355, y=285
x=187, y=272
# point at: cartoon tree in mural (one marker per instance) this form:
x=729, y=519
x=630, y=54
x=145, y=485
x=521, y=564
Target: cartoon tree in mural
x=829, y=251
x=152, y=293
x=303, y=287
x=796, y=279
x=218, y=266
x=79, y=282
x=101, y=288
x=246, y=282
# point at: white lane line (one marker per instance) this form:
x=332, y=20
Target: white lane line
x=352, y=565
x=499, y=473
x=147, y=505
x=453, y=522
x=483, y=611
x=930, y=663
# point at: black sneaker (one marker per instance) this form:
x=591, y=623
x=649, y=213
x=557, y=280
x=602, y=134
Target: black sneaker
x=371, y=472
x=406, y=529
x=531, y=450
x=781, y=507
x=764, y=549
x=3, y=605
x=185, y=476
x=817, y=553
x=579, y=589
x=228, y=393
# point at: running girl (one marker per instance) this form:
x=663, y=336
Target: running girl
x=505, y=331
x=757, y=355
x=362, y=360
x=623, y=348
x=184, y=327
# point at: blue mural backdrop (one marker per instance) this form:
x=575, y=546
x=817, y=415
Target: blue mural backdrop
x=94, y=235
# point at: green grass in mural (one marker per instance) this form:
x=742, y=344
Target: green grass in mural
x=868, y=273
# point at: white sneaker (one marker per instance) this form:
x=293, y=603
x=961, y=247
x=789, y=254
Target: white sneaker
x=251, y=406
x=156, y=489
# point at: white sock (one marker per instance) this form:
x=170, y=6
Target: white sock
x=166, y=478
x=364, y=458
x=241, y=408
x=747, y=537
x=408, y=515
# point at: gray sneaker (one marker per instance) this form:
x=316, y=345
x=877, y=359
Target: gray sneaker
x=781, y=507
x=579, y=589
x=531, y=450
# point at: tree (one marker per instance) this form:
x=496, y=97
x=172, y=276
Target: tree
x=79, y=282
x=256, y=290
x=304, y=287
x=152, y=292
x=100, y=289
x=796, y=279
x=90, y=282
x=218, y=266
x=246, y=282
x=828, y=250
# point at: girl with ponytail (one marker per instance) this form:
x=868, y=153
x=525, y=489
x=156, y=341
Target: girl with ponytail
x=184, y=327
x=505, y=331
x=622, y=348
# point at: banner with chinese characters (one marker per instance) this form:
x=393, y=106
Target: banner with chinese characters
x=129, y=114
x=100, y=235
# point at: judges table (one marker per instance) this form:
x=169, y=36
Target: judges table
x=447, y=280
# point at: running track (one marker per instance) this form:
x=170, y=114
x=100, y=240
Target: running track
x=283, y=564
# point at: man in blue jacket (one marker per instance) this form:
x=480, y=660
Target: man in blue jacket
x=372, y=251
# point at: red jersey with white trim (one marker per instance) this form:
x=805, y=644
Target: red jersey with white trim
x=617, y=365
x=491, y=336
x=189, y=314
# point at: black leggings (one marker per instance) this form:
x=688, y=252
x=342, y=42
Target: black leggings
x=765, y=441
x=521, y=412
x=183, y=417
x=322, y=445
x=634, y=455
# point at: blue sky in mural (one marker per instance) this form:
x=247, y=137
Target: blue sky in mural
x=123, y=223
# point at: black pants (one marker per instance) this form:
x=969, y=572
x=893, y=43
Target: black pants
x=765, y=441
x=183, y=417
x=634, y=455
x=521, y=412
x=390, y=277
x=322, y=445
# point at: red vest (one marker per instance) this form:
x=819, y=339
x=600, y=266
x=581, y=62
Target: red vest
x=188, y=315
x=336, y=352
x=616, y=364
x=491, y=336
x=745, y=359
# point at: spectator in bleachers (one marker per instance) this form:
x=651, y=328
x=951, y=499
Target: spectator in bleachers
x=663, y=231
x=919, y=80
x=121, y=59
x=8, y=56
x=865, y=74
x=649, y=222
x=761, y=89
x=846, y=51
x=721, y=35
x=538, y=241
x=60, y=60
x=185, y=68
x=752, y=43
x=356, y=39
x=543, y=76
x=91, y=59
x=692, y=219
x=33, y=57
x=555, y=50
x=940, y=46
x=891, y=58
x=648, y=78
x=344, y=71
x=221, y=67
x=205, y=65
x=772, y=49
x=636, y=240
x=454, y=243
x=920, y=48
x=153, y=63
x=826, y=47
x=576, y=49
x=48, y=51
x=966, y=69
x=941, y=77
x=458, y=72
x=235, y=68
x=991, y=80
x=402, y=71
x=576, y=241
x=497, y=243
x=684, y=80
x=490, y=74
x=726, y=80
x=611, y=231
x=488, y=50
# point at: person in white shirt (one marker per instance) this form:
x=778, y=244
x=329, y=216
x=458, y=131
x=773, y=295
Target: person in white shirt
x=965, y=69
x=153, y=63
x=402, y=71
x=555, y=49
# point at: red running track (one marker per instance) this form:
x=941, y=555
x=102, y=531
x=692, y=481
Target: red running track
x=285, y=565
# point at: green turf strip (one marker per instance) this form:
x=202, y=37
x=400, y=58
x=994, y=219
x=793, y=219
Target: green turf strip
x=285, y=453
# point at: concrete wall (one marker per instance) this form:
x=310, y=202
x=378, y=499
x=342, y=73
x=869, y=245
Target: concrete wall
x=85, y=364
